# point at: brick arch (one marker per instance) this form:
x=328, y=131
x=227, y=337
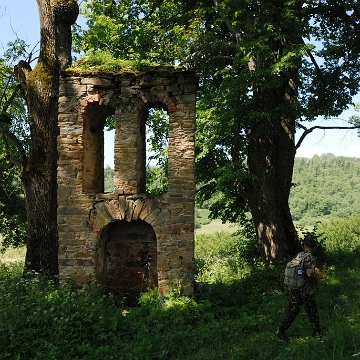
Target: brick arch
x=126, y=256
x=156, y=98
x=127, y=259
x=130, y=208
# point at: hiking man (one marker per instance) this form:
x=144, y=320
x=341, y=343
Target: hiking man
x=304, y=295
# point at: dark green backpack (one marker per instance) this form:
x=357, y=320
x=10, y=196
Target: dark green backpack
x=294, y=272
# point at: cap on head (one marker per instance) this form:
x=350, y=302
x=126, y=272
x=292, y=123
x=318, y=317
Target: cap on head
x=309, y=242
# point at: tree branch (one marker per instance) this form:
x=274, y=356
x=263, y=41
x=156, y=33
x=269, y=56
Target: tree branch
x=22, y=158
x=314, y=62
x=232, y=30
x=21, y=71
x=10, y=100
x=310, y=130
x=5, y=119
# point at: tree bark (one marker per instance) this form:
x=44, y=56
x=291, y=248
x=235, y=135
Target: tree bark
x=41, y=91
x=271, y=156
x=270, y=162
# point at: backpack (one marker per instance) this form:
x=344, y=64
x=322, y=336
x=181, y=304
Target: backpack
x=294, y=272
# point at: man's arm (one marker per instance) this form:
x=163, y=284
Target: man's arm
x=310, y=268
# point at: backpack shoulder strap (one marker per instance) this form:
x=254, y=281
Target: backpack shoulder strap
x=305, y=255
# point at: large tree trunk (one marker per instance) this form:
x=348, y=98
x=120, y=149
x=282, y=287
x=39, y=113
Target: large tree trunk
x=270, y=161
x=271, y=149
x=41, y=91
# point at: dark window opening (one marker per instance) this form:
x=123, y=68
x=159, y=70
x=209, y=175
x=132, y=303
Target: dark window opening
x=127, y=263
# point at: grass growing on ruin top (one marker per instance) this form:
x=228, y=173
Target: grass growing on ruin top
x=104, y=61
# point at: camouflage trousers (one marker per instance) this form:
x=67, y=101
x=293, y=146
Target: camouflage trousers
x=296, y=300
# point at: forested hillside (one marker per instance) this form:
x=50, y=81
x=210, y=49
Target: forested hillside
x=325, y=186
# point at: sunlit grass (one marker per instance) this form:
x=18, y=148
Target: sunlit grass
x=235, y=311
x=13, y=255
x=216, y=226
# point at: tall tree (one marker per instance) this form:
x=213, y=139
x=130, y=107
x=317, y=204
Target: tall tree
x=259, y=79
x=40, y=88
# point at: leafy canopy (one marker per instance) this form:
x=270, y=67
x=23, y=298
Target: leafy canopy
x=243, y=54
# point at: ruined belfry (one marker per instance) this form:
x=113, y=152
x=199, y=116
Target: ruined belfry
x=126, y=240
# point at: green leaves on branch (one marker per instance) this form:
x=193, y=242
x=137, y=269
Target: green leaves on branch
x=14, y=145
x=12, y=210
x=133, y=30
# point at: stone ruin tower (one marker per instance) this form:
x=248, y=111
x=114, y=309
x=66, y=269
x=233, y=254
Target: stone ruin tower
x=125, y=240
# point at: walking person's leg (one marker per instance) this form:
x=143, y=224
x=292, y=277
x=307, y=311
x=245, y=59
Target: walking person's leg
x=294, y=305
x=312, y=311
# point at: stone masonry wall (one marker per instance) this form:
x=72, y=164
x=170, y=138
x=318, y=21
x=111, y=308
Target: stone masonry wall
x=88, y=242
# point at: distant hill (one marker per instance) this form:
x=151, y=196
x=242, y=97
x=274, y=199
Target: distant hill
x=325, y=186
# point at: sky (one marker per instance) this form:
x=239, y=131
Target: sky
x=21, y=17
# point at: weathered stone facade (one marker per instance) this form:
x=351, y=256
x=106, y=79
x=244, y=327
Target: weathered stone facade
x=126, y=240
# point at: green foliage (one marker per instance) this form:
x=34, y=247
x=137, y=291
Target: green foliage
x=224, y=257
x=41, y=321
x=13, y=125
x=157, y=180
x=341, y=234
x=133, y=30
x=157, y=127
x=109, y=179
x=201, y=217
x=12, y=104
x=12, y=210
x=326, y=187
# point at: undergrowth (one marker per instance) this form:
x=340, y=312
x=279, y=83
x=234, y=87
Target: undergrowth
x=236, y=310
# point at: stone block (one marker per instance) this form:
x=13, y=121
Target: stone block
x=137, y=208
x=103, y=210
x=97, y=81
x=82, y=255
x=163, y=266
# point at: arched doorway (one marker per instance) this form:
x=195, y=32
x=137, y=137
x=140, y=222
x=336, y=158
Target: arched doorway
x=127, y=259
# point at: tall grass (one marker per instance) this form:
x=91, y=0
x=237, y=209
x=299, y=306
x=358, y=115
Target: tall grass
x=237, y=307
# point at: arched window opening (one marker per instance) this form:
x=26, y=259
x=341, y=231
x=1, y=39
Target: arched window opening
x=157, y=129
x=95, y=118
